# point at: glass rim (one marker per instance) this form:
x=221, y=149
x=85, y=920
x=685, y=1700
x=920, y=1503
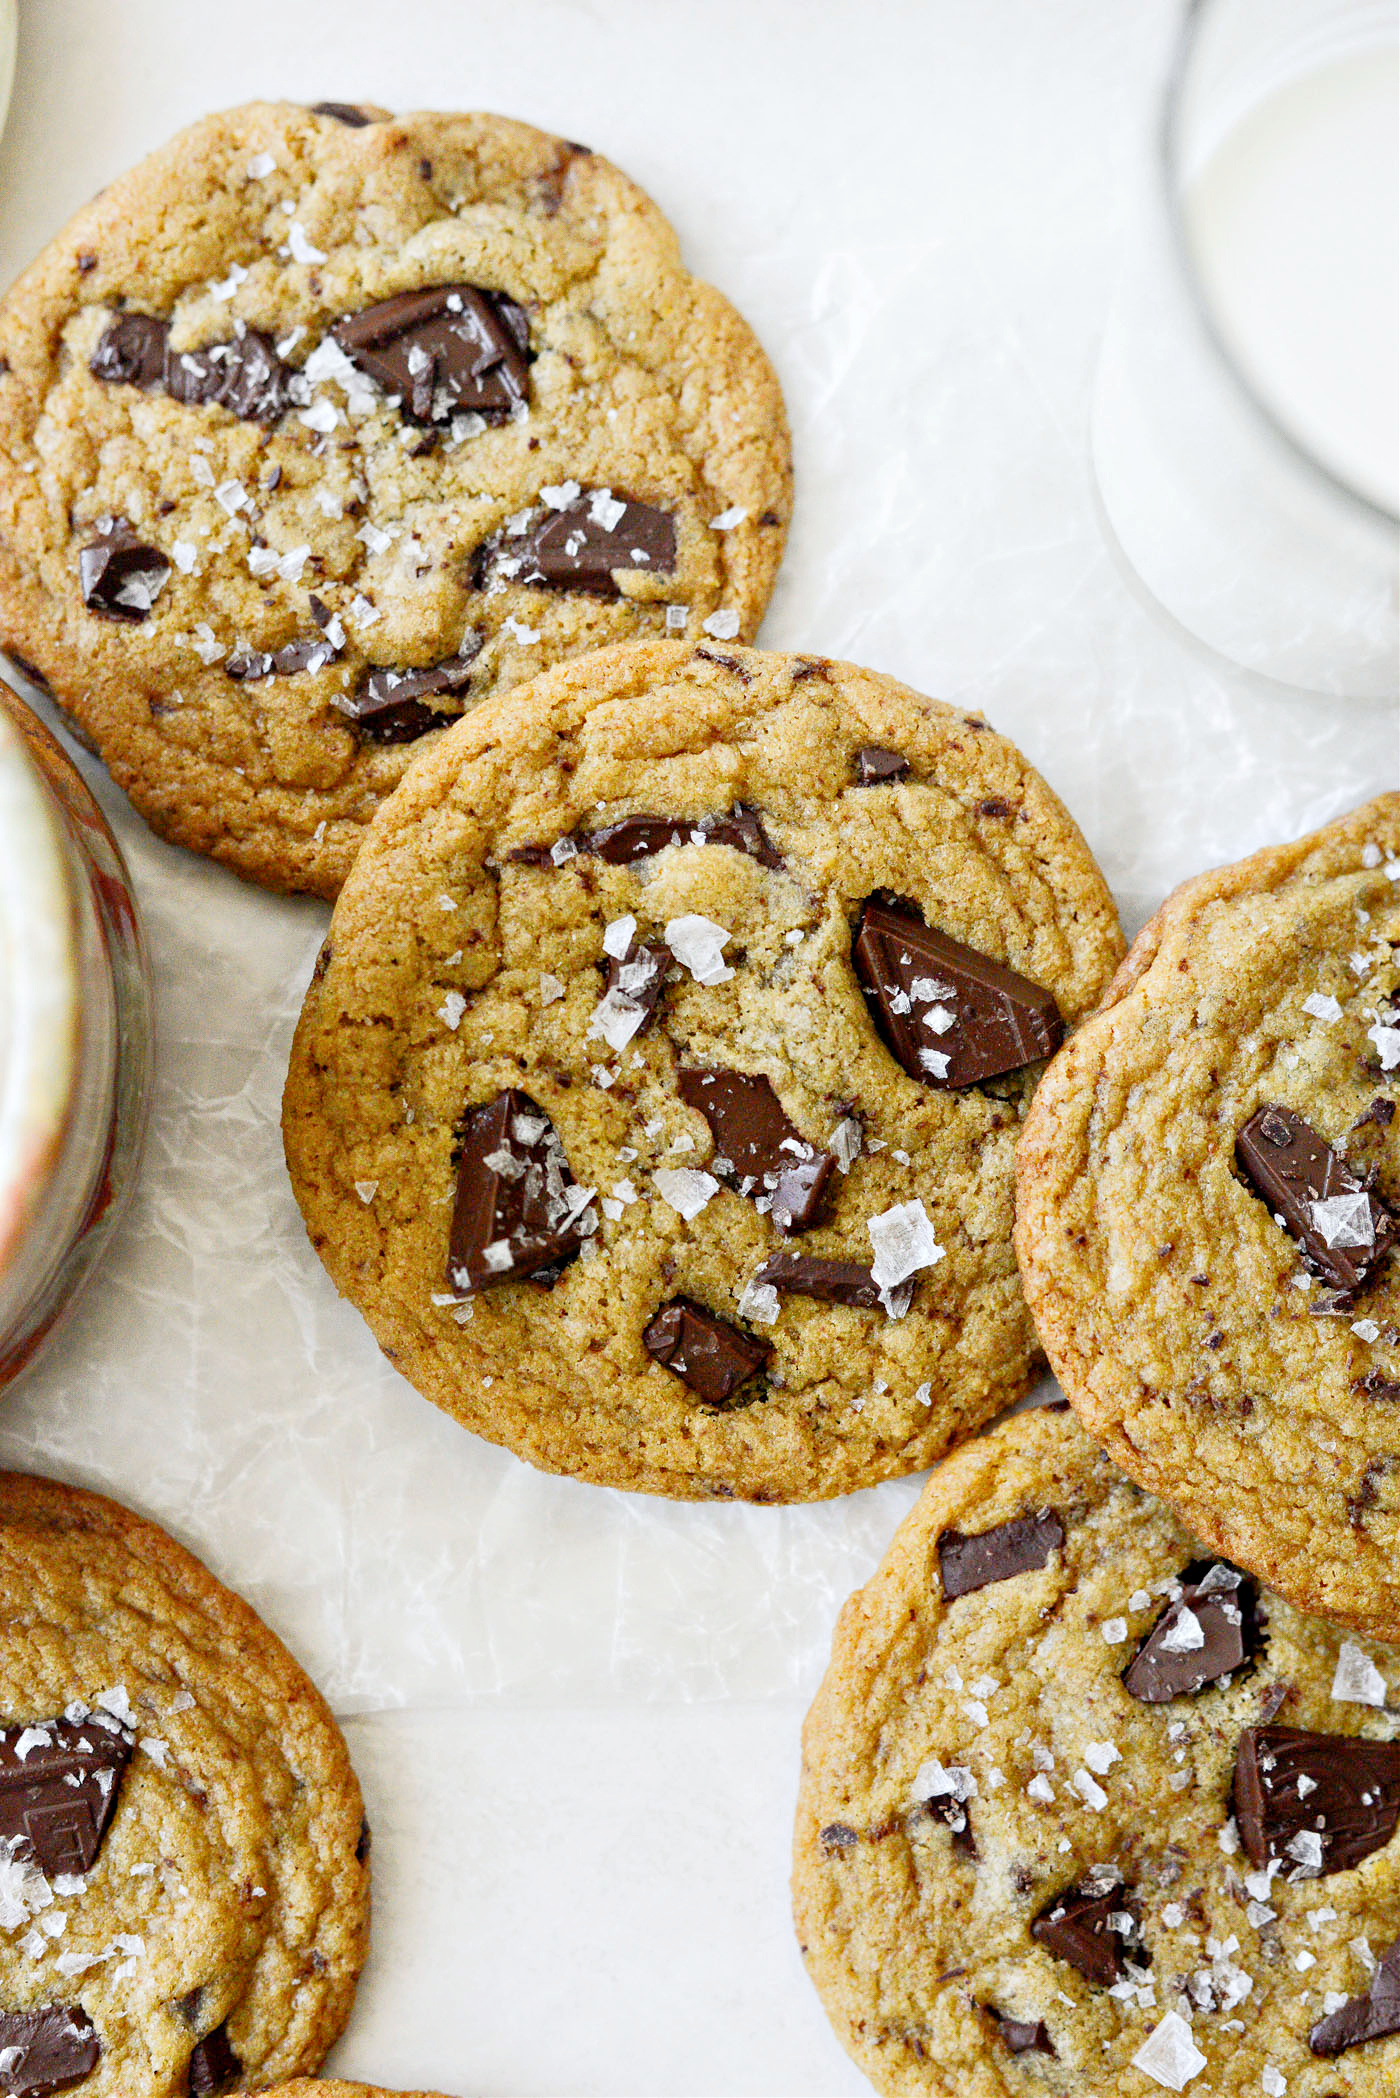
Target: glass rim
x=1169, y=165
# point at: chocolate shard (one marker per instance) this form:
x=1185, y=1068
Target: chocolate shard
x=132, y=351
x=583, y=545
x=1205, y=1636
x=119, y=575
x=638, y=978
x=831, y=1281
x=875, y=766
x=246, y=376
x=1342, y=1231
x=956, y=1815
x=59, y=1781
x=1021, y=2035
x=949, y=1015
x=46, y=2050
x=214, y=2067
x=759, y=1151
x=634, y=838
x=1322, y=1802
x=451, y=350
x=1085, y=1926
x=706, y=1352
x=390, y=706
x=308, y=652
x=344, y=113
x=518, y=1209
x=1374, y=2016
x=1023, y=1545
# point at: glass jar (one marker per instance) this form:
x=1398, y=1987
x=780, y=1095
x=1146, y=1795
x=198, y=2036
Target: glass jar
x=75, y=1033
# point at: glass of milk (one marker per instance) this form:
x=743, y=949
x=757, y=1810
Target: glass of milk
x=1244, y=435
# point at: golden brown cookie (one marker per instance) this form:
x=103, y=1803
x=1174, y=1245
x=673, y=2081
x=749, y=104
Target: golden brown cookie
x=1207, y=1191
x=314, y=2087
x=656, y=1095
x=1086, y=1813
x=184, y=1886
x=318, y=428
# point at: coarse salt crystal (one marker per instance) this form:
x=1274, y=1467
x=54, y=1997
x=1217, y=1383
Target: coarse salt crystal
x=1273, y=2080
x=452, y=1008
x=1344, y=1220
x=184, y=553
x=301, y=247
x=1169, y=2055
x=685, y=1189
x=759, y=1302
x=1366, y=1329
x=1387, y=1041
x=525, y=635
x=904, y=1244
x=722, y=626
x=1322, y=1006
x=1357, y=1680
x=366, y=1189
x=727, y=519
x=1091, y=1793
x=560, y=497
x=617, y=937
x=698, y=945
x=259, y=166
x=551, y=988
x=1114, y=1630
x=1101, y=1756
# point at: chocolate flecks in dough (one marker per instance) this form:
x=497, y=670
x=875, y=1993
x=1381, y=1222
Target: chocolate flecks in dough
x=711, y=1356
x=390, y=706
x=583, y=545
x=451, y=350
x=1347, y=1809
x=213, y=2065
x=517, y=1210
x=874, y=766
x=1203, y=1637
x=634, y=838
x=120, y=576
x=46, y=2050
x=59, y=1795
x=730, y=663
x=836, y=1837
x=1376, y=1385
x=1373, y=2016
x=344, y=113
x=1341, y=1230
x=830, y=1281
x=244, y=375
x=1079, y=1926
x=949, y=1015
x=759, y=1150
x=1021, y=2035
x=1023, y=1545
x=638, y=978
x=1381, y=1112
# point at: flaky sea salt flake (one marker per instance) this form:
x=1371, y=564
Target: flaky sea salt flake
x=1169, y=2055
x=1357, y=1680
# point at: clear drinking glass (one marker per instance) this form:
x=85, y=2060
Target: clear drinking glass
x=1244, y=422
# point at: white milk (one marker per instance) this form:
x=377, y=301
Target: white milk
x=1294, y=225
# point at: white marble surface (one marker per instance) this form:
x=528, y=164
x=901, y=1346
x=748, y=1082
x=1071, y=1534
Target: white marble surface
x=576, y=1715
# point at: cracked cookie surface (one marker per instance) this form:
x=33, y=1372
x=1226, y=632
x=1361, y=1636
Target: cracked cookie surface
x=184, y=1895
x=593, y=1117
x=1015, y=1874
x=1242, y=1362
x=224, y=536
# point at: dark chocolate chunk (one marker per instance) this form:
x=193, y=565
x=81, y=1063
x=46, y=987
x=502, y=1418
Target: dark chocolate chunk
x=1381, y=1112
x=1373, y=2016
x=390, y=705
x=364, y=1842
x=1020, y=2034
x=1203, y=1637
x=46, y=2050
x=344, y=113
x=759, y=1150
x=637, y=837
x=711, y=1356
x=1023, y=1545
x=949, y=1015
x=246, y=376
x=832, y=1281
x=638, y=978
x=874, y=766
x=309, y=652
x=1078, y=1926
x=451, y=350
x=1320, y=1801
x=518, y=1210
x=214, y=2066
x=581, y=546
x=132, y=351
x=1297, y=1175
x=119, y=575
x=956, y=1815
x=58, y=1794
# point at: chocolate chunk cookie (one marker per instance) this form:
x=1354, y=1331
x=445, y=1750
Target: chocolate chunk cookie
x=656, y=1095
x=1208, y=1207
x=184, y=1895
x=314, y=433
x=1108, y=1818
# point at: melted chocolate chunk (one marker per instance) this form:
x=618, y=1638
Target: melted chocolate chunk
x=344, y=113
x=1341, y=1230
x=389, y=707
x=452, y=350
x=1373, y=2016
x=214, y=2066
x=637, y=837
x=638, y=978
x=581, y=546
x=949, y=1015
x=517, y=1210
x=831, y=1281
x=1023, y=1545
x=119, y=575
x=132, y=351
x=759, y=1151
x=53, y=2049
x=1320, y=1801
x=1077, y=1926
x=1019, y=2034
x=310, y=652
x=711, y=1356
x=1203, y=1637
x=58, y=1795
x=246, y=376
x=874, y=766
